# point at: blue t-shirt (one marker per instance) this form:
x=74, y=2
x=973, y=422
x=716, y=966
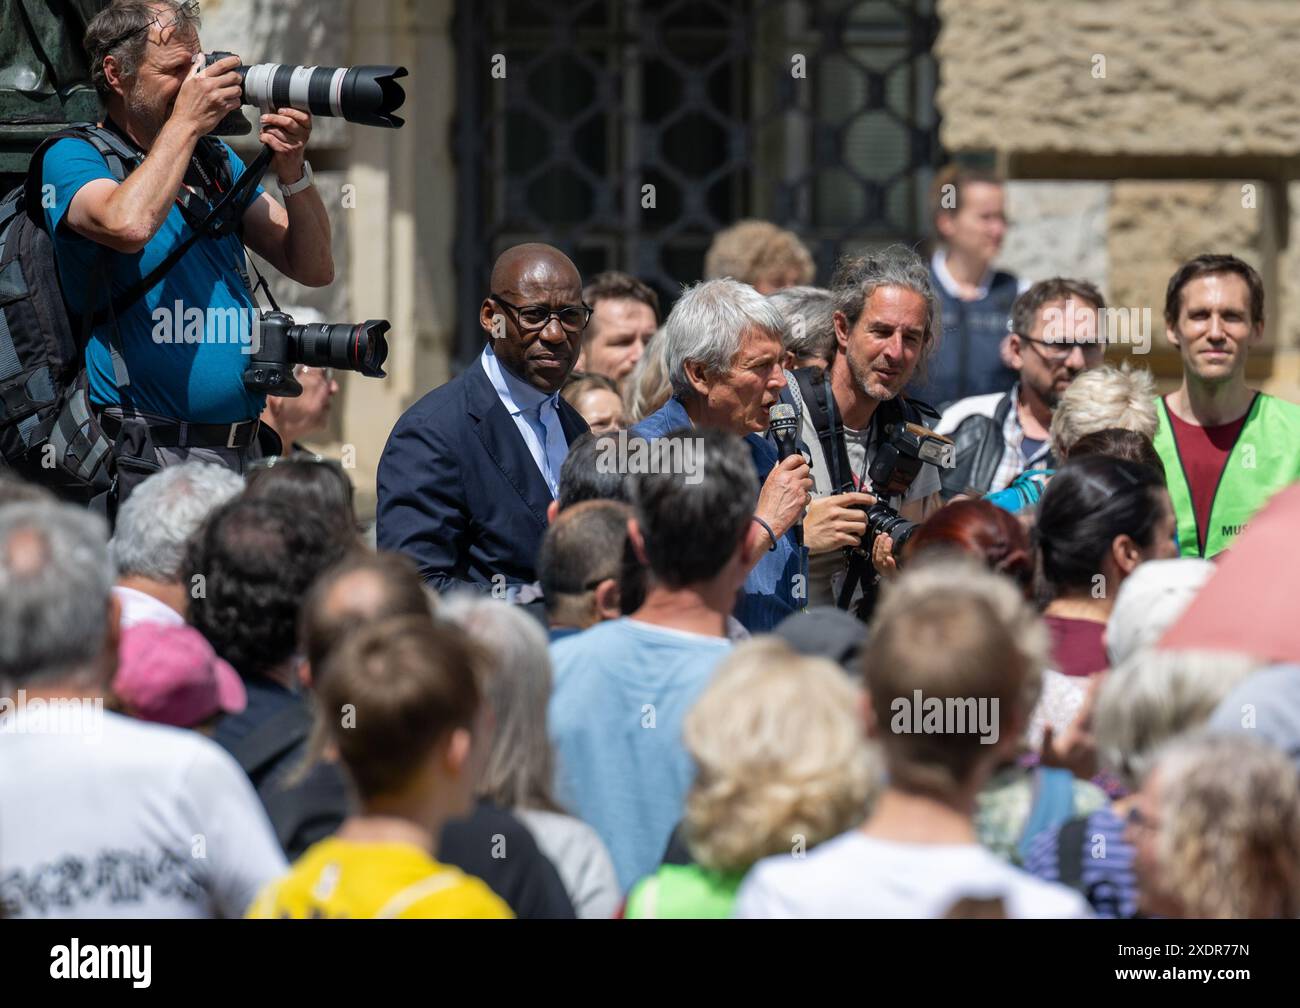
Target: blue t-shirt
x=622, y=690
x=186, y=368
x=778, y=583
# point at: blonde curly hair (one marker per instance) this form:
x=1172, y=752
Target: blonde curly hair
x=752, y=251
x=782, y=761
x=1102, y=398
x=1228, y=845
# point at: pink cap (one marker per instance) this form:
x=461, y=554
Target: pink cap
x=171, y=675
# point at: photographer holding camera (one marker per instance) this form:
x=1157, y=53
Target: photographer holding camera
x=854, y=417
x=166, y=382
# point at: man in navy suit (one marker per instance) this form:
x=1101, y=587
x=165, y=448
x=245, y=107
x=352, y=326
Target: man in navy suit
x=468, y=472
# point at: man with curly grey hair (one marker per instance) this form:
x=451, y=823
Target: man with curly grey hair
x=886, y=321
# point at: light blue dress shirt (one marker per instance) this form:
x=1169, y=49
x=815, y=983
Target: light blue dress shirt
x=535, y=414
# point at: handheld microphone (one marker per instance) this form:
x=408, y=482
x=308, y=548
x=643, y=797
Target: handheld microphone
x=783, y=425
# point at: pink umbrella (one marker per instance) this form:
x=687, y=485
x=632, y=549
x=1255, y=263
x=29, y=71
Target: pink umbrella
x=1251, y=604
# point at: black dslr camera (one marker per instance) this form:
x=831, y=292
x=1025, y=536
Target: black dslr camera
x=280, y=343
x=907, y=446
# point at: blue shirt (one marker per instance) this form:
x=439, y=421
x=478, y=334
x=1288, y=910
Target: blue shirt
x=188, y=369
x=534, y=413
x=622, y=689
x=778, y=584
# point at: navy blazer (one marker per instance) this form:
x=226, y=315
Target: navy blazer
x=459, y=492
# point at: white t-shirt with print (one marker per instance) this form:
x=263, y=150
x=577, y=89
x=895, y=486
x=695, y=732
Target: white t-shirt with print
x=855, y=875
x=129, y=820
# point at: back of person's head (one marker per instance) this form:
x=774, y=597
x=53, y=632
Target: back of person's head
x=760, y=254
x=1087, y=506
x=55, y=580
x=248, y=569
x=1153, y=696
x=780, y=755
x=1149, y=602
x=1101, y=398
x=826, y=631
x=587, y=473
x=155, y=525
x=989, y=533
x=953, y=637
x=1116, y=442
x=579, y=562
x=308, y=483
x=809, y=332
x=16, y=490
x=410, y=687
x=693, y=514
x=516, y=684
x=361, y=588
x=647, y=387
x=1227, y=830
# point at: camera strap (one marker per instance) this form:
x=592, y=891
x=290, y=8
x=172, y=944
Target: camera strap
x=220, y=220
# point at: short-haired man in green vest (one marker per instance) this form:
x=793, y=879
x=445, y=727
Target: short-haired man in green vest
x=1226, y=448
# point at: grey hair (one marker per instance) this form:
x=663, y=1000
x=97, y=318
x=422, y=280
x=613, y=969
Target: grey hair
x=520, y=767
x=707, y=325
x=809, y=314
x=857, y=277
x=121, y=18
x=55, y=579
x=1156, y=695
x=158, y=520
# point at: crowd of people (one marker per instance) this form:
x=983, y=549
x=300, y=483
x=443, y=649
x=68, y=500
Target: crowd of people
x=890, y=598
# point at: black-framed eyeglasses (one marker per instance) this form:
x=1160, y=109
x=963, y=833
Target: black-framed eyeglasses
x=1058, y=351
x=187, y=11
x=531, y=318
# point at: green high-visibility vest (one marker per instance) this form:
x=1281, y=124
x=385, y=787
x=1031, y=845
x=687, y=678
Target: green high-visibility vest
x=1264, y=459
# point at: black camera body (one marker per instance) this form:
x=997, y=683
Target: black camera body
x=906, y=447
x=280, y=343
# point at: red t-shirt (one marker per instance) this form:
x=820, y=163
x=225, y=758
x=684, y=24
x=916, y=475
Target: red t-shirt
x=1203, y=452
x=1078, y=645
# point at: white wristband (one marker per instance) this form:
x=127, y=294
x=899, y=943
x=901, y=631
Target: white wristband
x=296, y=187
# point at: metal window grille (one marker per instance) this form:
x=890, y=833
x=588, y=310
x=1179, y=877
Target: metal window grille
x=815, y=114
